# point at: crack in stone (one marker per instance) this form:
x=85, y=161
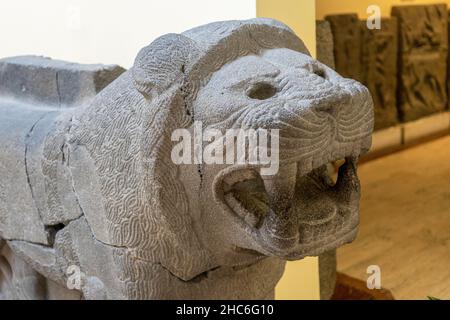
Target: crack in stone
x=67, y=163
x=27, y=173
x=196, y=279
x=29, y=242
x=58, y=90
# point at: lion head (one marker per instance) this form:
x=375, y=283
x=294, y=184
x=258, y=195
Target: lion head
x=190, y=218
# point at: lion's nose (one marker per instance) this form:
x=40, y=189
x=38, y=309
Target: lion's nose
x=329, y=108
x=337, y=101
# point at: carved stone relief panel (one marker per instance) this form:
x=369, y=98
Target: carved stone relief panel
x=325, y=43
x=379, y=60
x=347, y=44
x=423, y=49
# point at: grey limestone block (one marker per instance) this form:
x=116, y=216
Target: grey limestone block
x=423, y=59
x=94, y=206
x=379, y=59
x=43, y=81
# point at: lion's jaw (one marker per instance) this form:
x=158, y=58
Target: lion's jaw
x=321, y=117
x=290, y=215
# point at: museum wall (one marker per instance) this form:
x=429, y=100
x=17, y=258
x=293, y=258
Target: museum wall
x=298, y=15
x=103, y=31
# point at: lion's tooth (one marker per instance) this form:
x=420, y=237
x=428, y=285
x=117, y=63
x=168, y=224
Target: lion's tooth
x=347, y=183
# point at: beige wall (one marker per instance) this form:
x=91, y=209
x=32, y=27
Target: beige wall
x=324, y=7
x=107, y=31
x=301, y=278
x=297, y=14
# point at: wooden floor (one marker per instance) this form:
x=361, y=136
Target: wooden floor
x=405, y=222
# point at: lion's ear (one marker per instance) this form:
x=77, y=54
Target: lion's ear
x=163, y=62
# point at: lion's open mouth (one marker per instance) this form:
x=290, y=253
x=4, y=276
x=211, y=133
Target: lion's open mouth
x=295, y=214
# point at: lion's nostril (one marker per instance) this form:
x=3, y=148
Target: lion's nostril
x=326, y=108
x=262, y=91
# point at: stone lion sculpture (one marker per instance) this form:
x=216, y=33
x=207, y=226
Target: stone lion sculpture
x=93, y=207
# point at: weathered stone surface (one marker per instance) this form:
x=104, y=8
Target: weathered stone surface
x=100, y=192
x=21, y=276
x=423, y=59
x=32, y=89
x=379, y=59
x=47, y=82
x=19, y=217
x=325, y=43
x=346, y=29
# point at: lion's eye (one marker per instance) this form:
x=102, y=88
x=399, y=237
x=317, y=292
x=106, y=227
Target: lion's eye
x=262, y=91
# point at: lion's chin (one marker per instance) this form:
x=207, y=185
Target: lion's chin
x=304, y=215
x=319, y=247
